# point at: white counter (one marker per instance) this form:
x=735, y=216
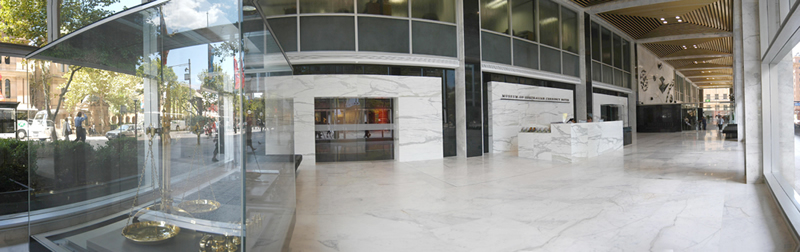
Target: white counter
x=571, y=142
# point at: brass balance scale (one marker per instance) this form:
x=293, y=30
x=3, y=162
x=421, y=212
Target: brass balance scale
x=154, y=232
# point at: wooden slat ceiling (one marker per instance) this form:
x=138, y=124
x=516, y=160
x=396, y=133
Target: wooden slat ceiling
x=686, y=33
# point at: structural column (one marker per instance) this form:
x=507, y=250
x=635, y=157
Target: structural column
x=751, y=71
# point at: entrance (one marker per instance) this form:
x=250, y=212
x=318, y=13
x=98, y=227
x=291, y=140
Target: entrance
x=354, y=129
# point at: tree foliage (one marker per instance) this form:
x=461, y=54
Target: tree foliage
x=25, y=21
x=114, y=88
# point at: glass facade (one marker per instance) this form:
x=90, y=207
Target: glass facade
x=611, y=56
x=538, y=36
x=175, y=144
x=354, y=129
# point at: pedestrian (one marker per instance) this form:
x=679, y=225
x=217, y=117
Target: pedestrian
x=216, y=149
x=67, y=130
x=79, y=130
x=720, y=122
x=703, y=122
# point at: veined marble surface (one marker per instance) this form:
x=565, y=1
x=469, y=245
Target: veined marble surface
x=601, y=99
x=509, y=116
x=667, y=192
x=418, y=108
x=572, y=142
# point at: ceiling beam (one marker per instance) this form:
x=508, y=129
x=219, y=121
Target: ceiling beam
x=708, y=76
x=685, y=37
x=623, y=4
x=14, y=50
x=698, y=56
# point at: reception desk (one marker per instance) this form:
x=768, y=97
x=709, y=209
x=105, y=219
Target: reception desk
x=571, y=142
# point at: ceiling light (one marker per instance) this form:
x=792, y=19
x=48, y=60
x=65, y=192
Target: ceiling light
x=662, y=19
x=695, y=62
x=695, y=46
x=680, y=20
x=677, y=17
x=665, y=22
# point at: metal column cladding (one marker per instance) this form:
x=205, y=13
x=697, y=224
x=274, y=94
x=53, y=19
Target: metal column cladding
x=472, y=77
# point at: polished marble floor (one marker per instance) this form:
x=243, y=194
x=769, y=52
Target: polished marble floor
x=666, y=192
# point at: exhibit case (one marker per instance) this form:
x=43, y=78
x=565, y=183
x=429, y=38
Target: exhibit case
x=175, y=146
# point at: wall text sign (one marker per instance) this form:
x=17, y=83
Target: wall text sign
x=533, y=98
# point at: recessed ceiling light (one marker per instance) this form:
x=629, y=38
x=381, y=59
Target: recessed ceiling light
x=662, y=19
x=695, y=62
x=665, y=22
x=677, y=17
x=680, y=20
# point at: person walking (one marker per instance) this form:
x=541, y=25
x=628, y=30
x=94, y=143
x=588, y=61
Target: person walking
x=703, y=122
x=720, y=122
x=80, y=132
x=66, y=130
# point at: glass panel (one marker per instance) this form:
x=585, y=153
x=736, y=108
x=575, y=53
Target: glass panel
x=552, y=57
x=327, y=34
x=617, y=51
x=526, y=54
x=286, y=32
x=608, y=75
x=571, y=66
x=569, y=30
x=279, y=7
x=494, y=15
x=438, y=10
x=496, y=48
x=434, y=39
x=182, y=139
x=596, y=54
x=449, y=112
x=73, y=15
x=548, y=23
x=382, y=35
x=626, y=55
x=597, y=71
x=524, y=19
x=617, y=77
x=626, y=80
x=354, y=129
x=606, y=44
x=397, y=8
x=327, y=6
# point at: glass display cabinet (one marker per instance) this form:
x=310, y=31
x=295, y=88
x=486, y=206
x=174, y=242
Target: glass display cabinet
x=175, y=146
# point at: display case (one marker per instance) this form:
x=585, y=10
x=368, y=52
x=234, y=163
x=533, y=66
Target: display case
x=209, y=164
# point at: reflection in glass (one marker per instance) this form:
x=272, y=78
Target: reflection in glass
x=397, y=8
x=327, y=6
x=285, y=30
x=606, y=44
x=569, y=30
x=279, y=7
x=608, y=75
x=524, y=19
x=597, y=71
x=179, y=133
x=494, y=15
x=626, y=55
x=548, y=23
x=437, y=10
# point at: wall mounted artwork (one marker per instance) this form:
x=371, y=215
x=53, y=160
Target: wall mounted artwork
x=656, y=79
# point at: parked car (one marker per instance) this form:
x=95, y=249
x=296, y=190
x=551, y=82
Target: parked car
x=126, y=130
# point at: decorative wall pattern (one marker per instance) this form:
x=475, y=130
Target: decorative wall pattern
x=656, y=79
x=509, y=116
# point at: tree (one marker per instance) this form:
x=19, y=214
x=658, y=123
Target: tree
x=25, y=21
x=114, y=88
x=46, y=81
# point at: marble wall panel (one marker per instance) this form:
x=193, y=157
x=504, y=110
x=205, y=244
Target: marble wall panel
x=752, y=91
x=509, y=116
x=572, y=142
x=656, y=79
x=418, y=115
